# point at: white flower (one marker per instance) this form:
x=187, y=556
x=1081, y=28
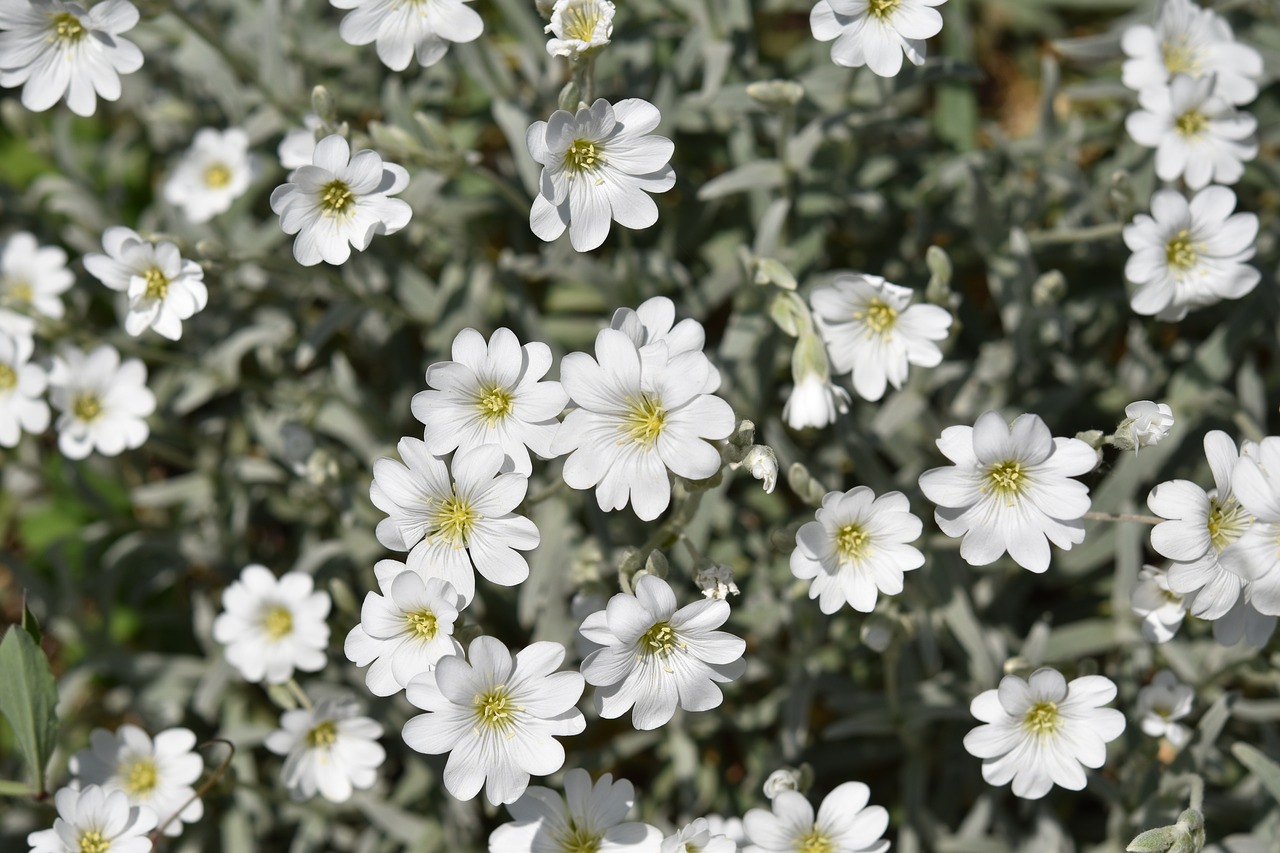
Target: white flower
x=402, y=29
x=22, y=387
x=328, y=748
x=1010, y=489
x=1187, y=255
x=58, y=48
x=762, y=462
x=1201, y=526
x=597, y=167
x=844, y=824
x=492, y=394
x=340, y=201
x=1161, y=704
x=640, y=414
x=1190, y=40
x=214, y=172
x=857, y=548
x=273, y=626
x=655, y=657
x=872, y=330
x=730, y=828
x=814, y=402
x=781, y=780
x=581, y=27
x=496, y=717
x=588, y=817
x=103, y=403
x=1198, y=136
x=654, y=321
x=1244, y=622
x=1148, y=423
x=698, y=837
x=1160, y=608
x=298, y=148
x=876, y=33
x=33, y=277
x=1043, y=732
x=1255, y=556
x=96, y=820
x=715, y=581
x=158, y=774
x=163, y=288
x=404, y=631
x=455, y=516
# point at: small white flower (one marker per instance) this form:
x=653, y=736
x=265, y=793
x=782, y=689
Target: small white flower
x=402, y=29
x=872, y=330
x=598, y=166
x=581, y=27
x=1187, y=255
x=876, y=33
x=214, y=172
x=1160, y=608
x=96, y=820
x=1244, y=622
x=492, y=394
x=163, y=288
x=329, y=749
x=1255, y=556
x=496, y=717
x=1148, y=423
x=781, y=780
x=340, y=201
x=33, y=277
x=22, y=387
x=103, y=403
x=57, y=48
x=729, y=827
x=814, y=402
x=1043, y=732
x=273, y=626
x=716, y=581
x=158, y=774
x=1010, y=490
x=298, y=148
x=655, y=657
x=587, y=817
x=1198, y=136
x=857, y=548
x=762, y=462
x=698, y=837
x=1161, y=704
x=654, y=321
x=844, y=823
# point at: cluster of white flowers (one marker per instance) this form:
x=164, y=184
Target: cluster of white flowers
x=876, y=33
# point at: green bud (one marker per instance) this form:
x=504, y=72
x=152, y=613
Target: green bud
x=938, y=290
x=776, y=94
x=322, y=105
x=804, y=485
x=769, y=271
x=789, y=312
x=570, y=96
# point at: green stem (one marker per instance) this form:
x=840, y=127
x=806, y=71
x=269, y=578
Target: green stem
x=1143, y=519
x=298, y=693
x=203, y=789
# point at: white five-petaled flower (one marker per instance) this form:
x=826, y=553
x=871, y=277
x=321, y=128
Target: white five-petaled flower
x=1148, y=423
x=844, y=823
x=273, y=626
x=587, y=818
x=698, y=837
x=857, y=548
x=33, y=277
x=1188, y=39
x=328, y=748
x=492, y=394
x=1197, y=135
x=58, y=48
x=814, y=402
x=598, y=166
x=640, y=414
x=1044, y=731
x=655, y=657
x=876, y=33
x=402, y=28
x=1160, y=608
x=1255, y=556
x=1188, y=255
x=341, y=200
x=103, y=403
x=96, y=820
x=298, y=148
x=1161, y=704
x=497, y=717
x=580, y=27
x=158, y=773
x=214, y=172
x=163, y=288
x=1010, y=489
x=22, y=387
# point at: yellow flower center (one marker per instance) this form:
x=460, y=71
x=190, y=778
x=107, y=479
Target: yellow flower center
x=1180, y=57
x=323, y=735
x=495, y=711
x=660, y=640
x=644, y=420
x=336, y=198
x=879, y=316
x=881, y=9
x=1227, y=521
x=18, y=290
x=1191, y=124
x=1007, y=479
x=277, y=623
x=422, y=624
x=853, y=543
x=580, y=20
x=67, y=28
x=87, y=407
x=8, y=378
x=815, y=840
x=495, y=404
x=93, y=841
x=140, y=777
x=1042, y=718
x=583, y=156
x=157, y=284
x=1181, y=252
x=454, y=520
x=579, y=840
x=217, y=176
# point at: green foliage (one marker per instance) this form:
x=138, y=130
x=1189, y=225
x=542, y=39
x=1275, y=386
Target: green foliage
x=28, y=701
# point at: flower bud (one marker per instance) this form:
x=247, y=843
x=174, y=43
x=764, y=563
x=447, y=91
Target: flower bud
x=785, y=779
x=763, y=463
x=776, y=94
x=1147, y=423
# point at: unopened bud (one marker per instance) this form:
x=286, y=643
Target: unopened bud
x=786, y=779
x=776, y=94
x=763, y=464
x=322, y=105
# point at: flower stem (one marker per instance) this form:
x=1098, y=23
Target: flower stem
x=298, y=693
x=217, y=774
x=1124, y=516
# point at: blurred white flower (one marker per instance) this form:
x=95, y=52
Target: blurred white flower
x=1198, y=136
x=33, y=277
x=654, y=321
x=298, y=148
x=1188, y=255
x=1010, y=489
x=492, y=394
x=214, y=172
x=404, y=631
x=1244, y=622
x=1161, y=704
x=876, y=33
x=103, y=404
x=762, y=462
x=328, y=748
x=716, y=581
x=598, y=166
x=341, y=200
x=163, y=288
x=455, y=516
x=857, y=547
x=1148, y=423
x=155, y=773
x=697, y=837
x=872, y=330
x=496, y=717
x=402, y=29
x=1254, y=556
x=730, y=827
x=814, y=402
x=581, y=27
x=273, y=626
x=1043, y=732
x=22, y=387
x=781, y=780
x=1160, y=608
x=655, y=657
x=588, y=817
x=94, y=820
x=844, y=823
x=57, y=48
x=1187, y=39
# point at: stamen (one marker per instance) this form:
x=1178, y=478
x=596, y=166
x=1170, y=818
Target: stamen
x=324, y=735
x=1042, y=718
x=336, y=198
x=583, y=155
x=87, y=407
